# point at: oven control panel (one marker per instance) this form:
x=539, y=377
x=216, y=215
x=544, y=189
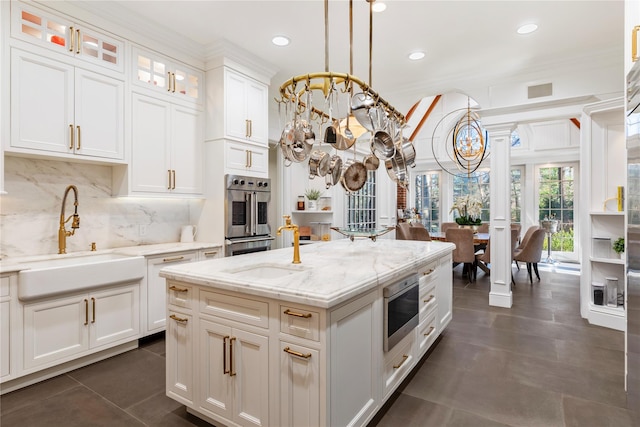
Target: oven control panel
x=247, y=183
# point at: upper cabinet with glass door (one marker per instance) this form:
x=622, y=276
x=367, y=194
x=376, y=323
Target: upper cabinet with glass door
x=65, y=36
x=156, y=72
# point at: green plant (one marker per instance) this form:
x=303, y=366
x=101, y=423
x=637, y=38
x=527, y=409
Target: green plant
x=313, y=194
x=618, y=245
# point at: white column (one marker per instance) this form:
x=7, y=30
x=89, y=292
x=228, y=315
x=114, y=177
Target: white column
x=500, y=140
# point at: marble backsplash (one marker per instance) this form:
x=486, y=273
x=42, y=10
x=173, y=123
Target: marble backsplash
x=30, y=211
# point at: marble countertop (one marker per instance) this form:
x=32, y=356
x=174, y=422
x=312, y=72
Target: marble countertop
x=11, y=265
x=330, y=272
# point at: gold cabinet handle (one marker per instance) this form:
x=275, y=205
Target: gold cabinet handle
x=169, y=173
x=93, y=308
x=250, y=128
x=426, y=273
x=86, y=312
x=214, y=253
x=293, y=313
x=179, y=319
x=431, y=328
x=79, y=138
x=404, y=359
x=224, y=355
x=246, y=128
x=173, y=76
x=250, y=158
x=173, y=177
x=232, y=373
x=296, y=353
x=71, y=137
x=634, y=43
x=177, y=289
x=246, y=158
x=71, y=34
x=77, y=41
x=428, y=300
x=168, y=81
x=177, y=258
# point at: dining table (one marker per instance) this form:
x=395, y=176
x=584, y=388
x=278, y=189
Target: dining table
x=478, y=238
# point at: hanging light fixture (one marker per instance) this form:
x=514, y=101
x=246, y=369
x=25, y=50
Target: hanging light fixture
x=343, y=129
x=465, y=142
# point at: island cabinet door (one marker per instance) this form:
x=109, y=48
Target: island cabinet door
x=444, y=294
x=214, y=369
x=179, y=367
x=299, y=385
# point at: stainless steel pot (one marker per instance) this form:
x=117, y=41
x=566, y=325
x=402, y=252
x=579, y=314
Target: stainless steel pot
x=371, y=162
x=371, y=116
x=319, y=163
x=382, y=145
x=408, y=152
x=335, y=170
x=335, y=136
x=397, y=169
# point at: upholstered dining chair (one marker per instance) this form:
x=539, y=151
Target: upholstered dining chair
x=527, y=236
x=446, y=225
x=413, y=231
x=517, y=226
x=483, y=259
x=464, y=252
x=484, y=227
x=531, y=252
x=515, y=238
x=402, y=231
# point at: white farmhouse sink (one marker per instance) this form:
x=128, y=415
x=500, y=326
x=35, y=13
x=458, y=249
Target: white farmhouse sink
x=57, y=276
x=268, y=271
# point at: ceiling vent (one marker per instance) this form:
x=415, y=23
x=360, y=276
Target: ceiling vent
x=538, y=91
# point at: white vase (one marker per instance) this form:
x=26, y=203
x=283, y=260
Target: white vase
x=312, y=205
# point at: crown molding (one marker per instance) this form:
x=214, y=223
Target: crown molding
x=223, y=52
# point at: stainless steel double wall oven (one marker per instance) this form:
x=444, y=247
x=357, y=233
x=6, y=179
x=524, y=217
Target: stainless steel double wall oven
x=247, y=203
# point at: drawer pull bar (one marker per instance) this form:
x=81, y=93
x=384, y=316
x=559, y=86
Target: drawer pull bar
x=178, y=258
x=93, y=307
x=404, y=359
x=428, y=300
x=211, y=253
x=224, y=355
x=177, y=289
x=71, y=137
x=232, y=373
x=293, y=313
x=86, y=312
x=179, y=319
x=426, y=273
x=296, y=353
x=431, y=328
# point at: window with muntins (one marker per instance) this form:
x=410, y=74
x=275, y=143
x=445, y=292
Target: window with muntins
x=361, y=206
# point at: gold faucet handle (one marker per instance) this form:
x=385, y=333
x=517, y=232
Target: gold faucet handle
x=287, y=219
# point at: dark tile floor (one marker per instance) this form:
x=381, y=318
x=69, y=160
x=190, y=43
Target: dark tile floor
x=536, y=364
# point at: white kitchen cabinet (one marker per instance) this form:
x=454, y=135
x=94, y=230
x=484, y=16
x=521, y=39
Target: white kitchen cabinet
x=233, y=365
x=170, y=78
x=5, y=326
x=61, y=329
x=246, y=108
x=210, y=253
x=299, y=385
x=62, y=35
x=61, y=110
x=241, y=158
x=179, y=365
x=166, y=147
x=156, y=290
x=444, y=293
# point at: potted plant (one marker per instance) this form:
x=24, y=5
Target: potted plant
x=469, y=211
x=618, y=246
x=312, y=195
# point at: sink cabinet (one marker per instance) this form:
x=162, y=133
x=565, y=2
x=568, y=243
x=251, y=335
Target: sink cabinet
x=61, y=329
x=7, y=292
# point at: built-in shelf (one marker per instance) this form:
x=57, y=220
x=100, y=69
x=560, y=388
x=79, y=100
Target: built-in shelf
x=605, y=309
x=608, y=260
x=607, y=213
x=312, y=212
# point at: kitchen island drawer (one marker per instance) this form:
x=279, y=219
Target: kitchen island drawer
x=244, y=310
x=300, y=322
x=180, y=294
x=398, y=362
x=427, y=333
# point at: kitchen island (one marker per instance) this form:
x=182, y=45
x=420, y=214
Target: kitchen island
x=257, y=340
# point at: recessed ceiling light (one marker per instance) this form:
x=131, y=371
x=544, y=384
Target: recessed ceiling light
x=379, y=6
x=280, y=40
x=527, y=28
x=414, y=56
